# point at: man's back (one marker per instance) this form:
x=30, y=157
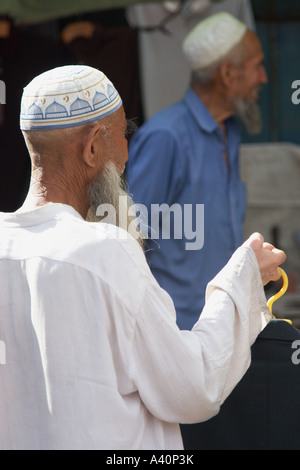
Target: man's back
x=67, y=317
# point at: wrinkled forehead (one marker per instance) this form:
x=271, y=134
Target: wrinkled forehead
x=252, y=45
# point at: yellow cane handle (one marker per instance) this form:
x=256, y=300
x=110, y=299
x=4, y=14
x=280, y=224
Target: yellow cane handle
x=281, y=292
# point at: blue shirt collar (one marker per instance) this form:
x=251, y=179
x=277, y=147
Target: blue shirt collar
x=200, y=113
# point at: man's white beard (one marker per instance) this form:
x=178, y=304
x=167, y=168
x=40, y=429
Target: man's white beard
x=250, y=115
x=109, y=189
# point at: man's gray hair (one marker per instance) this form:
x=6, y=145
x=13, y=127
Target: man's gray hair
x=236, y=56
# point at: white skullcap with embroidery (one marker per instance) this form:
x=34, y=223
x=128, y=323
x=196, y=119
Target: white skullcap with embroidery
x=212, y=39
x=67, y=96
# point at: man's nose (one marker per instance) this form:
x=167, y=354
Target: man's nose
x=264, y=76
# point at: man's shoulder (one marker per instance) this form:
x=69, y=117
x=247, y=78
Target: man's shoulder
x=111, y=256
x=99, y=241
x=58, y=232
x=166, y=118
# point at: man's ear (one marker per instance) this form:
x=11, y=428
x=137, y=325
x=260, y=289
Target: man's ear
x=228, y=73
x=90, y=147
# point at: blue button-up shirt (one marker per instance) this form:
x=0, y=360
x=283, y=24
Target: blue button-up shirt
x=177, y=158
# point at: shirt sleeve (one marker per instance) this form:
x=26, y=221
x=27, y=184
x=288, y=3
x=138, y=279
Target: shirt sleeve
x=185, y=376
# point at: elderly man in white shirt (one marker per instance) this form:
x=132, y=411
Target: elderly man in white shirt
x=93, y=357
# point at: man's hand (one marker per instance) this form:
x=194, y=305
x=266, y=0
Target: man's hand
x=268, y=257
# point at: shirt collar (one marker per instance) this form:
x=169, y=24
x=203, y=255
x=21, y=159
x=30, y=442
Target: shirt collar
x=200, y=113
x=38, y=215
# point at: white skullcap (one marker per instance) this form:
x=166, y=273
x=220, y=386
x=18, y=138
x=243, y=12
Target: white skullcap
x=212, y=39
x=67, y=96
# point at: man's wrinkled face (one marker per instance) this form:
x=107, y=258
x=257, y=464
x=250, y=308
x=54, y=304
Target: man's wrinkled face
x=107, y=184
x=108, y=188
x=251, y=77
x=252, y=74
x=116, y=145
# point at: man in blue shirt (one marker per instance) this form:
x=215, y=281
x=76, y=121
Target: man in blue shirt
x=183, y=163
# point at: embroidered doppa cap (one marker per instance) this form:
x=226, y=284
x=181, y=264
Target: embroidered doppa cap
x=67, y=96
x=212, y=39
